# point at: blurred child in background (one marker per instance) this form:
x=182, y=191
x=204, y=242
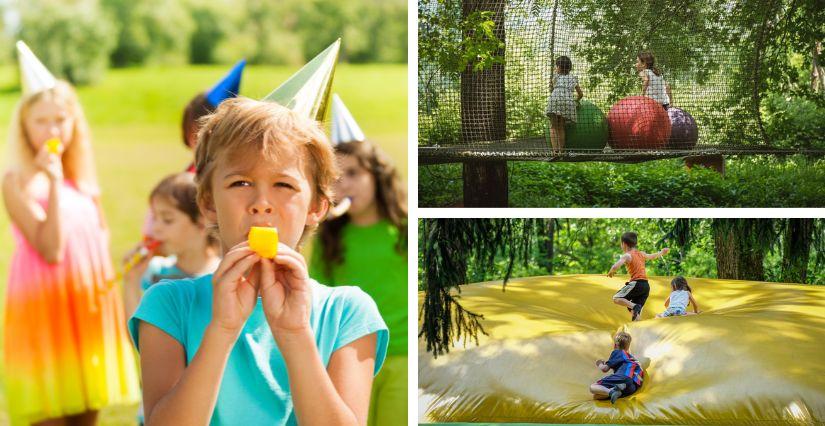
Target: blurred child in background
x=367, y=246
x=67, y=354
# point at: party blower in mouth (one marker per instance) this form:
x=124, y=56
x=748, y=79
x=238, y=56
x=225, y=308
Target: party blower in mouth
x=54, y=146
x=339, y=209
x=264, y=241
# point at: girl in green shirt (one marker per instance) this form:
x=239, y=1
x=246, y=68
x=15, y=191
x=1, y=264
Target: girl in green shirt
x=367, y=247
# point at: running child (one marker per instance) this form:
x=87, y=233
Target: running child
x=634, y=293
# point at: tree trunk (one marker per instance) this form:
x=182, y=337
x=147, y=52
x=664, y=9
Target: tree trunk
x=725, y=251
x=817, y=70
x=797, y=251
x=738, y=257
x=547, y=250
x=483, y=118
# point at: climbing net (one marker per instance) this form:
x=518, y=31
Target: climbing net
x=714, y=60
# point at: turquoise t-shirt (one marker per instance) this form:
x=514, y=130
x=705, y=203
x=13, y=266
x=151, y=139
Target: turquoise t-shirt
x=255, y=387
x=372, y=263
x=161, y=268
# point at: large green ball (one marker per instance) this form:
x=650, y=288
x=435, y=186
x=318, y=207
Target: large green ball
x=590, y=131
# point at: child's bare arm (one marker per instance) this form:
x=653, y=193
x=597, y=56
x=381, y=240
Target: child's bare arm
x=41, y=228
x=622, y=259
x=131, y=286
x=579, y=92
x=100, y=214
x=645, y=82
x=601, y=365
x=667, y=302
x=174, y=393
x=692, y=300
x=337, y=395
x=656, y=255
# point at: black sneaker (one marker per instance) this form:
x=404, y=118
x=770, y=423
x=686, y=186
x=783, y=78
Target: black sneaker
x=637, y=311
x=614, y=394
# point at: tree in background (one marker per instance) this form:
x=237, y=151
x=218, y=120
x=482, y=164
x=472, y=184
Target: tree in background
x=797, y=240
x=72, y=38
x=150, y=31
x=144, y=32
x=455, y=249
x=740, y=247
x=5, y=54
x=210, y=30
x=454, y=252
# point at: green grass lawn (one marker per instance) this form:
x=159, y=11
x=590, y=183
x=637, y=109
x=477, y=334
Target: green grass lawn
x=135, y=118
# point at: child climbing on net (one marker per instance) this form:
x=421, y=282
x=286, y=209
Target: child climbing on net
x=653, y=84
x=634, y=293
x=627, y=374
x=680, y=296
x=561, y=107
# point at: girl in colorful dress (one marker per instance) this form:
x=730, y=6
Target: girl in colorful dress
x=67, y=353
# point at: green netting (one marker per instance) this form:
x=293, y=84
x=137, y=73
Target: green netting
x=719, y=59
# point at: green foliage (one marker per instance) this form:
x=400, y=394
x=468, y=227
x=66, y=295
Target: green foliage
x=451, y=249
x=386, y=33
x=748, y=182
x=793, y=121
x=371, y=30
x=591, y=246
x=147, y=32
x=151, y=31
x=453, y=42
x=293, y=31
x=72, y=39
x=446, y=125
x=210, y=29
x=5, y=40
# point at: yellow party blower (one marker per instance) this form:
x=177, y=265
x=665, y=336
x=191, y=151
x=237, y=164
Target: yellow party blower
x=264, y=241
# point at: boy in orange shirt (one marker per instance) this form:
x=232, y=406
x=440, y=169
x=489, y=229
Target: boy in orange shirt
x=634, y=293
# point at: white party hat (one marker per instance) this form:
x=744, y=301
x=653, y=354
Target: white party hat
x=344, y=127
x=33, y=74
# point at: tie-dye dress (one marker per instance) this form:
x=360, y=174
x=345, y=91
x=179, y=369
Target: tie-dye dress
x=66, y=349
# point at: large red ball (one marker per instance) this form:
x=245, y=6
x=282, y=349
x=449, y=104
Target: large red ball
x=638, y=122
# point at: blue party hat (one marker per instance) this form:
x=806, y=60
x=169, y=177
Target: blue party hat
x=228, y=87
